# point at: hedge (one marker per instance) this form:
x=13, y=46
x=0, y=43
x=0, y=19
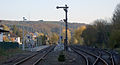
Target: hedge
x=9, y=45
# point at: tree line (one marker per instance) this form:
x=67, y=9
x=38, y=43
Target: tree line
x=103, y=33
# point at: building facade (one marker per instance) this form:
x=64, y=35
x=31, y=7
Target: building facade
x=1, y=34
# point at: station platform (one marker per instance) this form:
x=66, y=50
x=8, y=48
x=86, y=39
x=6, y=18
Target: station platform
x=37, y=48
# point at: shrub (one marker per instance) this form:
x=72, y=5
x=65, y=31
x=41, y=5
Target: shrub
x=61, y=57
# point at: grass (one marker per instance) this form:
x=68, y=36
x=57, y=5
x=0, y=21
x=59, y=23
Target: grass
x=10, y=52
x=5, y=54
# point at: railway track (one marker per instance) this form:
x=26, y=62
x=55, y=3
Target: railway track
x=35, y=58
x=91, y=59
x=84, y=57
x=105, y=55
x=110, y=57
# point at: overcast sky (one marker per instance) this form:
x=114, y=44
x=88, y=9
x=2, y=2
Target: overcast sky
x=81, y=11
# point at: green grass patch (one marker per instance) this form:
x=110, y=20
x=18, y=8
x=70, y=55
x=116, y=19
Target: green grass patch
x=6, y=54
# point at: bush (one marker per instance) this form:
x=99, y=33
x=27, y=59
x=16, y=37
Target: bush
x=61, y=57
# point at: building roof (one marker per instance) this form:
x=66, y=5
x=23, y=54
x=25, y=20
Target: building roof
x=12, y=35
x=1, y=25
x=3, y=30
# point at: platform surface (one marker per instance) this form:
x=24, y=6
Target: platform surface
x=38, y=48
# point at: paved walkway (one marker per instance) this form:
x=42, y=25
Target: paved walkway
x=59, y=47
x=37, y=48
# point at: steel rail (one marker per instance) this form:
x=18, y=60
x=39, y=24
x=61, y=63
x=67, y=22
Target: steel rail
x=94, y=56
x=111, y=57
x=41, y=58
x=113, y=62
x=86, y=59
x=25, y=59
x=29, y=57
x=97, y=59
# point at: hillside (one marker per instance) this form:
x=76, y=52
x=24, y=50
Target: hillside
x=46, y=27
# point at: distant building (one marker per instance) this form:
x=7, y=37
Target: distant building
x=1, y=33
x=15, y=38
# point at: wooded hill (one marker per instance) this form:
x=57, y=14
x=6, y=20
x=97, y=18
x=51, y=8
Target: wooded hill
x=46, y=27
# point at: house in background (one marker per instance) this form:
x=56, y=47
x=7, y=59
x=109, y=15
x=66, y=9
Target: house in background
x=1, y=33
x=14, y=38
x=11, y=37
x=17, y=39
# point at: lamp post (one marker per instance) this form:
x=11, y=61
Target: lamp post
x=60, y=30
x=23, y=45
x=65, y=8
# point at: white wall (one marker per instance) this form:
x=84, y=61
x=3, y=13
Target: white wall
x=1, y=37
x=18, y=40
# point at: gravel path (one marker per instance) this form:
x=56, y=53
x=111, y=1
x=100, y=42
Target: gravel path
x=17, y=57
x=71, y=59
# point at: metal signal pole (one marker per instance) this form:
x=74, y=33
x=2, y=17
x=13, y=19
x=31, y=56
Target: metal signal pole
x=65, y=8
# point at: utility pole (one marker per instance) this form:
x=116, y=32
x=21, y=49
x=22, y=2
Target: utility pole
x=60, y=36
x=65, y=8
x=23, y=45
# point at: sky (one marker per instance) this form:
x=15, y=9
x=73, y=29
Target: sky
x=80, y=11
